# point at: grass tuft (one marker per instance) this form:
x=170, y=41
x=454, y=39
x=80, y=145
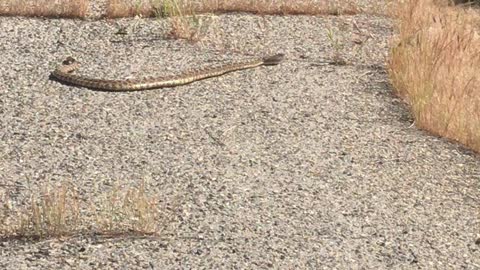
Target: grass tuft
x=337, y=45
x=45, y=8
x=184, y=22
x=131, y=210
x=54, y=212
x=434, y=66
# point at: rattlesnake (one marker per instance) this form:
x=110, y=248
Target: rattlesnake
x=64, y=73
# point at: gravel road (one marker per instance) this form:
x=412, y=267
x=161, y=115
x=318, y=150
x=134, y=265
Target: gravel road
x=305, y=165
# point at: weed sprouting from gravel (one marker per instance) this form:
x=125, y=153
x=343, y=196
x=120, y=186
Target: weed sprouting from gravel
x=337, y=45
x=434, y=66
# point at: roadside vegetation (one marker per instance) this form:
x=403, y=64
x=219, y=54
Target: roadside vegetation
x=163, y=8
x=149, y=8
x=44, y=8
x=434, y=65
x=58, y=211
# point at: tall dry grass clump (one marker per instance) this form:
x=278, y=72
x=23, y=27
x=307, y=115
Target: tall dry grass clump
x=45, y=8
x=435, y=65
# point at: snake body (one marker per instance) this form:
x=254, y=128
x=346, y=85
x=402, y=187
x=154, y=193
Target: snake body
x=64, y=73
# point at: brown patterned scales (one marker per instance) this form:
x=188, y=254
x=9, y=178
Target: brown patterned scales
x=64, y=73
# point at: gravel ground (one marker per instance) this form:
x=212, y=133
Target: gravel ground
x=301, y=165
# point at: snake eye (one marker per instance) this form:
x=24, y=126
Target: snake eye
x=70, y=60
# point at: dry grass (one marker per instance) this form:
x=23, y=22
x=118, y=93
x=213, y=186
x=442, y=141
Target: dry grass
x=148, y=8
x=58, y=211
x=434, y=66
x=131, y=210
x=186, y=24
x=45, y=8
x=276, y=7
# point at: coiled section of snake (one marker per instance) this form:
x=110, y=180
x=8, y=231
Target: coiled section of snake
x=64, y=73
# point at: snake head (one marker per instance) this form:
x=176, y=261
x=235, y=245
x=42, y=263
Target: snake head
x=68, y=65
x=69, y=61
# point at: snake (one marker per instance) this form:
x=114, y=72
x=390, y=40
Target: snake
x=65, y=73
